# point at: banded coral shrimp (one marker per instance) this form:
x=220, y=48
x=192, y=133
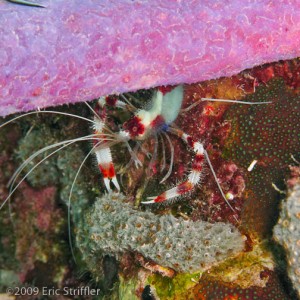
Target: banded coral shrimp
x=137, y=148
x=158, y=118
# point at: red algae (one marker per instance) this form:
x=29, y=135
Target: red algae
x=35, y=227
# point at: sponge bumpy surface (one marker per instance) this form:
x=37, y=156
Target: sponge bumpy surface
x=113, y=226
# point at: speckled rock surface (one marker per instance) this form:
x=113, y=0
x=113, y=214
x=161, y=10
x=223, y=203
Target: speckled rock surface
x=75, y=50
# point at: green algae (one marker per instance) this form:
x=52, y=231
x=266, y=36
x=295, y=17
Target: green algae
x=127, y=289
x=8, y=278
x=178, y=287
x=46, y=173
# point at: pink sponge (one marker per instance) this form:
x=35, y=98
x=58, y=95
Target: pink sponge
x=76, y=50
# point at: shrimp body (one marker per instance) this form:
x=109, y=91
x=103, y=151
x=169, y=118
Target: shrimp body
x=163, y=110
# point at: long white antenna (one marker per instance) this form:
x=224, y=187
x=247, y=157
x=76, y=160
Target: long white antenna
x=217, y=182
x=45, y=112
x=221, y=100
x=234, y=101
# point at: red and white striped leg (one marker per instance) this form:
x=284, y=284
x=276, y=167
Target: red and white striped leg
x=103, y=153
x=194, y=176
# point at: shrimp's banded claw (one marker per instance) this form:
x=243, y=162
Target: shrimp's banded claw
x=184, y=187
x=103, y=153
x=108, y=173
x=195, y=173
x=106, y=167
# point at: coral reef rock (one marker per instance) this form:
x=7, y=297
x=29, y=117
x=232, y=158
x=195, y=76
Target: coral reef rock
x=113, y=226
x=287, y=233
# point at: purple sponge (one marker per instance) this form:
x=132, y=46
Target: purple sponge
x=76, y=50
